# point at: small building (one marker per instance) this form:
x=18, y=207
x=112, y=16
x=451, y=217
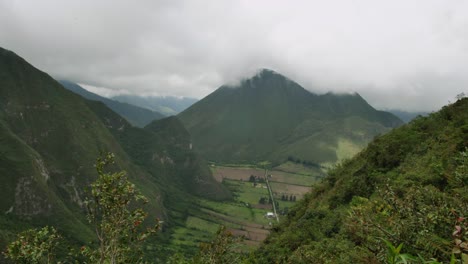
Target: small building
x=270, y=215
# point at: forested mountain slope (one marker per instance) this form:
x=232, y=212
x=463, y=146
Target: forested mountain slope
x=270, y=117
x=409, y=186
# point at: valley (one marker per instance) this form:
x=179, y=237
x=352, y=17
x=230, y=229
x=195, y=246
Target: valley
x=246, y=215
x=301, y=177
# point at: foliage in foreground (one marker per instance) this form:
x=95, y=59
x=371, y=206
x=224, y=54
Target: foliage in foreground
x=118, y=227
x=224, y=248
x=34, y=246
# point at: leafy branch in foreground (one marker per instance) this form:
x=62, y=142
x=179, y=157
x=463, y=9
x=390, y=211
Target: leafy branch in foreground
x=34, y=246
x=221, y=250
x=118, y=228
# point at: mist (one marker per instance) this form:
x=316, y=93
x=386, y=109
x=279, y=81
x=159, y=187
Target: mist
x=409, y=55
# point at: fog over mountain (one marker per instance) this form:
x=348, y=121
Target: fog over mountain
x=408, y=55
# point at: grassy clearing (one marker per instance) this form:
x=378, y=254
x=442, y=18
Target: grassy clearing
x=236, y=210
x=190, y=237
x=220, y=173
x=346, y=149
x=246, y=191
x=284, y=204
x=299, y=168
x=295, y=179
x=201, y=224
x=279, y=188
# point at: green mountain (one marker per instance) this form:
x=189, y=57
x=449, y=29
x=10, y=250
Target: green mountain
x=50, y=139
x=407, y=187
x=137, y=116
x=168, y=105
x=270, y=117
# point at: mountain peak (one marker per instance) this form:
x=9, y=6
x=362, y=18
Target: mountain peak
x=267, y=74
x=269, y=116
x=265, y=71
x=268, y=80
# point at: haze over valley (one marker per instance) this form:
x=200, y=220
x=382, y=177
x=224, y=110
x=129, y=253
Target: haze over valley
x=233, y=132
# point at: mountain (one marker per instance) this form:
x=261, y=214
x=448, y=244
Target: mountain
x=407, y=116
x=168, y=105
x=50, y=139
x=407, y=187
x=163, y=148
x=137, y=116
x=270, y=117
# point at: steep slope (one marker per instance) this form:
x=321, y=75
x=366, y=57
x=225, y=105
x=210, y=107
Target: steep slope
x=137, y=116
x=168, y=105
x=50, y=139
x=271, y=117
x=163, y=148
x=409, y=186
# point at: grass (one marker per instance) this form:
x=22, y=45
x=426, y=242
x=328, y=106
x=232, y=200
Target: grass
x=280, y=188
x=346, y=149
x=246, y=192
x=236, y=210
x=294, y=179
x=299, y=169
x=190, y=237
x=201, y=224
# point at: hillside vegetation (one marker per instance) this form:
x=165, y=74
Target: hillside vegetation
x=50, y=139
x=407, y=187
x=270, y=117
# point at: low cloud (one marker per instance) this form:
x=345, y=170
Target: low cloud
x=410, y=55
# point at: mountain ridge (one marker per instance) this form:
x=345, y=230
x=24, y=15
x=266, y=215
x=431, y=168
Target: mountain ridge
x=168, y=105
x=252, y=119
x=137, y=116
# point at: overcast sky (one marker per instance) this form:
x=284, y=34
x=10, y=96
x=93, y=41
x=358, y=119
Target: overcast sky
x=403, y=54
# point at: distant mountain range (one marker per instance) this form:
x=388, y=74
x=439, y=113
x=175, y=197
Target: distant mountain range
x=168, y=105
x=137, y=116
x=270, y=117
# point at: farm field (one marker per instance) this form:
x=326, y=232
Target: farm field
x=246, y=214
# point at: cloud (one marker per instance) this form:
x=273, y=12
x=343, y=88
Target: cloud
x=403, y=54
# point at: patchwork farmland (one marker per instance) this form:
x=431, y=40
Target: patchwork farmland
x=246, y=215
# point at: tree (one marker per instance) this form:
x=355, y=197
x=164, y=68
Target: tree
x=117, y=227
x=223, y=249
x=34, y=246
x=252, y=178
